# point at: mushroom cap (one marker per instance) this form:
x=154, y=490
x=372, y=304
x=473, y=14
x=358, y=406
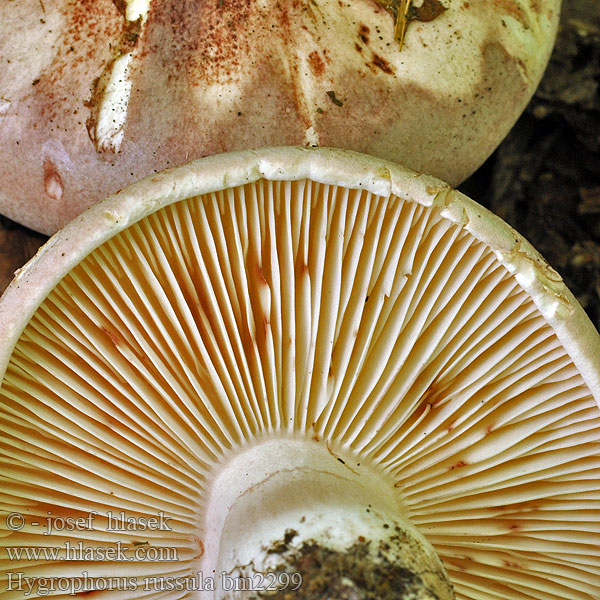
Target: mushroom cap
x=312, y=294
x=92, y=98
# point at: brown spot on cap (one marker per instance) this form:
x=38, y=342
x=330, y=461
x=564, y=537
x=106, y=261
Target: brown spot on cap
x=317, y=64
x=53, y=184
x=363, y=33
x=512, y=9
x=121, y=6
x=382, y=64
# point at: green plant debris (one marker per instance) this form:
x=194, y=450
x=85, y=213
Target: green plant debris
x=334, y=98
x=404, y=12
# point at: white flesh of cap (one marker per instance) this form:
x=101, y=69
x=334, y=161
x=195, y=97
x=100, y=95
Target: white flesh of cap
x=112, y=115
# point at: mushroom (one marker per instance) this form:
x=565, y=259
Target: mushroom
x=99, y=93
x=297, y=358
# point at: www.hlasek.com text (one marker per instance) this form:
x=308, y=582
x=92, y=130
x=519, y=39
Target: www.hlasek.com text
x=73, y=551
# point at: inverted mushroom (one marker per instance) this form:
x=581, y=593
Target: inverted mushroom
x=96, y=94
x=296, y=351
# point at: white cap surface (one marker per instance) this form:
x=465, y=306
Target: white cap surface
x=95, y=95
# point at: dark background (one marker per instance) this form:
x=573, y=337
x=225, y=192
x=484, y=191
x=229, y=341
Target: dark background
x=544, y=179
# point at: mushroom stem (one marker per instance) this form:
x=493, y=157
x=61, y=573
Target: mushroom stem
x=293, y=516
